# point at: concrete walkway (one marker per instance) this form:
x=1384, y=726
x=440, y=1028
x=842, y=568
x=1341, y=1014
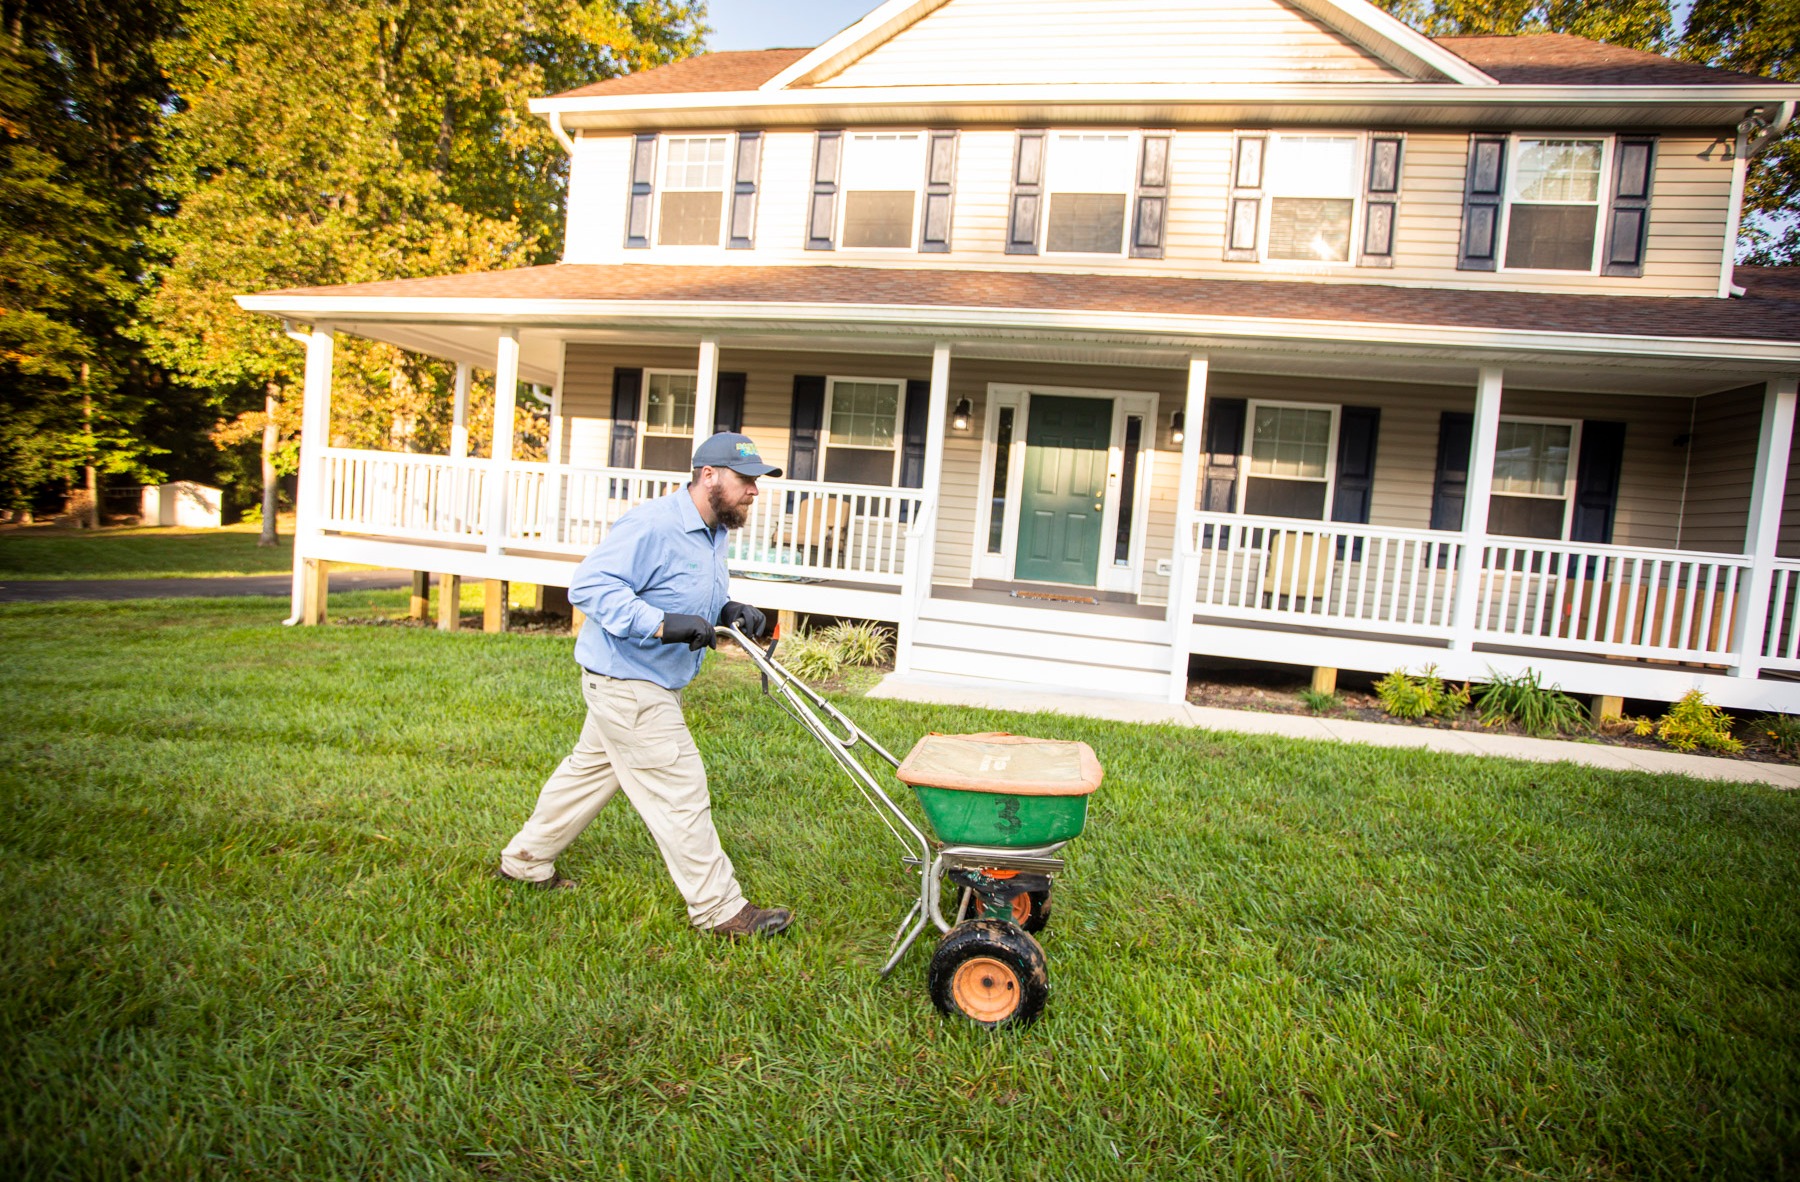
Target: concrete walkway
x=227, y=586
x=1375, y=734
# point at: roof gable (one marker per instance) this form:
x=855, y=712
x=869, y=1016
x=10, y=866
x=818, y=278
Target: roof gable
x=1058, y=42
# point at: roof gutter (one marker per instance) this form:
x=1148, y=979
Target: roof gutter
x=1754, y=133
x=555, y=119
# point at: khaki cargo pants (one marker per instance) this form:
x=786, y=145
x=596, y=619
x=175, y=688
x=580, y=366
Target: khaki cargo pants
x=636, y=739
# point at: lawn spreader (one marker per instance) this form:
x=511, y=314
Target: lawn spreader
x=998, y=810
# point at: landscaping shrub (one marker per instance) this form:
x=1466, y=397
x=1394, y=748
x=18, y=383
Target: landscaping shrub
x=864, y=643
x=1694, y=722
x=1523, y=700
x=1421, y=695
x=810, y=656
x=1782, y=731
x=1321, y=702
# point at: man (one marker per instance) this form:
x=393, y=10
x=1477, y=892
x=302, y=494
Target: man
x=651, y=592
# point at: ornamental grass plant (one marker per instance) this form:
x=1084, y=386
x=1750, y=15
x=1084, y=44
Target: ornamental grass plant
x=249, y=932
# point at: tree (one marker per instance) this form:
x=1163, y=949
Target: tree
x=1758, y=37
x=79, y=98
x=1640, y=24
x=338, y=141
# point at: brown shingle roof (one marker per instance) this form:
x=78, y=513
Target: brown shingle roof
x=1563, y=59
x=741, y=69
x=1770, y=312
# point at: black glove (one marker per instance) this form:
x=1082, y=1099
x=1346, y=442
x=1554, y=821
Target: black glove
x=692, y=631
x=744, y=618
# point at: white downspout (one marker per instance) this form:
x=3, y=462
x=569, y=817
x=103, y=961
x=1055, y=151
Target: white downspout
x=303, y=339
x=1753, y=135
x=561, y=133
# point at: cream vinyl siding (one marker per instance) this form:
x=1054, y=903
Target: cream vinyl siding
x=587, y=394
x=1688, y=213
x=1061, y=41
x=1726, y=428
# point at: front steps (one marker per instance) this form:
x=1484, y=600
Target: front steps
x=1051, y=648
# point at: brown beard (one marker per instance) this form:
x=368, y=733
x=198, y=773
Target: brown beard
x=729, y=516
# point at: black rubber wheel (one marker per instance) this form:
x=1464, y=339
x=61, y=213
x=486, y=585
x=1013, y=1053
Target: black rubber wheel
x=991, y=973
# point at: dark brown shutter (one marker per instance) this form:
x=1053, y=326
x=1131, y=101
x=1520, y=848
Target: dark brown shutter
x=728, y=402
x=1223, y=444
x=1381, y=201
x=1628, y=223
x=803, y=427
x=1597, y=481
x=1358, y=427
x=1027, y=193
x=822, y=220
x=742, y=232
x=940, y=180
x=1484, y=185
x=638, y=204
x=913, y=420
x=1148, y=227
x=1244, y=210
x=628, y=384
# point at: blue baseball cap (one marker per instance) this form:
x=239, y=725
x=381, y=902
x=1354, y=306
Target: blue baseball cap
x=728, y=449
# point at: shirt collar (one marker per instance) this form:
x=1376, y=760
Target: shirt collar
x=690, y=516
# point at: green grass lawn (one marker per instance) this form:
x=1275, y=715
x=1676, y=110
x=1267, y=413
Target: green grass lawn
x=249, y=933
x=143, y=552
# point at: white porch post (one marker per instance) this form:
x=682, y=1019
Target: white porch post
x=1488, y=391
x=706, y=390
x=506, y=397
x=1766, y=496
x=459, y=418
x=554, y=527
x=315, y=437
x=921, y=538
x=1181, y=569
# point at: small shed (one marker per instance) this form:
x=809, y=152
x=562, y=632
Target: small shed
x=181, y=502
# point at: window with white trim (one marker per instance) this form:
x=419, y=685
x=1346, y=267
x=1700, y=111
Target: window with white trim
x=691, y=207
x=668, y=427
x=1290, y=457
x=881, y=176
x=862, y=430
x=1555, y=191
x=1312, y=186
x=1088, y=180
x=1533, y=492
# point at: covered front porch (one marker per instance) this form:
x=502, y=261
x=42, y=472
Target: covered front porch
x=942, y=546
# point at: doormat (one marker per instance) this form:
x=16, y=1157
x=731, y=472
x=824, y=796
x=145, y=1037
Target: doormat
x=1087, y=599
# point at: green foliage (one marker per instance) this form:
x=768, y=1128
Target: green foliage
x=810, y=656
x=1321, y=702
x=861, y=643
x=1693, y=722
x=1780, y=731
x=1421, y=695
x=1523, y=700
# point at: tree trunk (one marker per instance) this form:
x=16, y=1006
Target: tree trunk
x=271, y=436
x=90, y=512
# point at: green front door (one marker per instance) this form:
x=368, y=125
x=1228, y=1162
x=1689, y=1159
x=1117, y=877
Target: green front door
x=1064, y=489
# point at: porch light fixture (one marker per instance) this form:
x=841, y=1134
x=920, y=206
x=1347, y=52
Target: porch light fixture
x=1177, y=422
x=959, y=418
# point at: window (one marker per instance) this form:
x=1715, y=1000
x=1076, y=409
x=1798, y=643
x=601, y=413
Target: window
x=693, y=196
x=1312, y=187
x=1003, y=434
x=862, y=430
x=1290, y=460
x=882, y=171
x=1089, y=178
x=1553, y=204
x=668, y=420
x=1533, y=486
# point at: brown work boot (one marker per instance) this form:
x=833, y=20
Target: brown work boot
x=754, y=921
x=555, y=882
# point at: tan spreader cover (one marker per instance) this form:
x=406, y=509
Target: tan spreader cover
x=999, y=762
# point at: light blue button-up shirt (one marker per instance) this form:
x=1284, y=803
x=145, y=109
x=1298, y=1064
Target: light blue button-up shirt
x=659, y=558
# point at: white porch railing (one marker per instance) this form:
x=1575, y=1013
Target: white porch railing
x=804, y=529
x=1781, y=639
x=1609, y=600
x=1355, y=577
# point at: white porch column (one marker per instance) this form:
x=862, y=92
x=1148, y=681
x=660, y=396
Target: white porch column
x=1766, y=496
x=506, y=398
x=921, y=539
x=706, y=390
x=1181, y=567
x=1486, y=432
x=459, y=418
x=555, y=449
x=315, y=437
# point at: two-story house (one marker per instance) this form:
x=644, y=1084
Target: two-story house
x=1096, y=336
